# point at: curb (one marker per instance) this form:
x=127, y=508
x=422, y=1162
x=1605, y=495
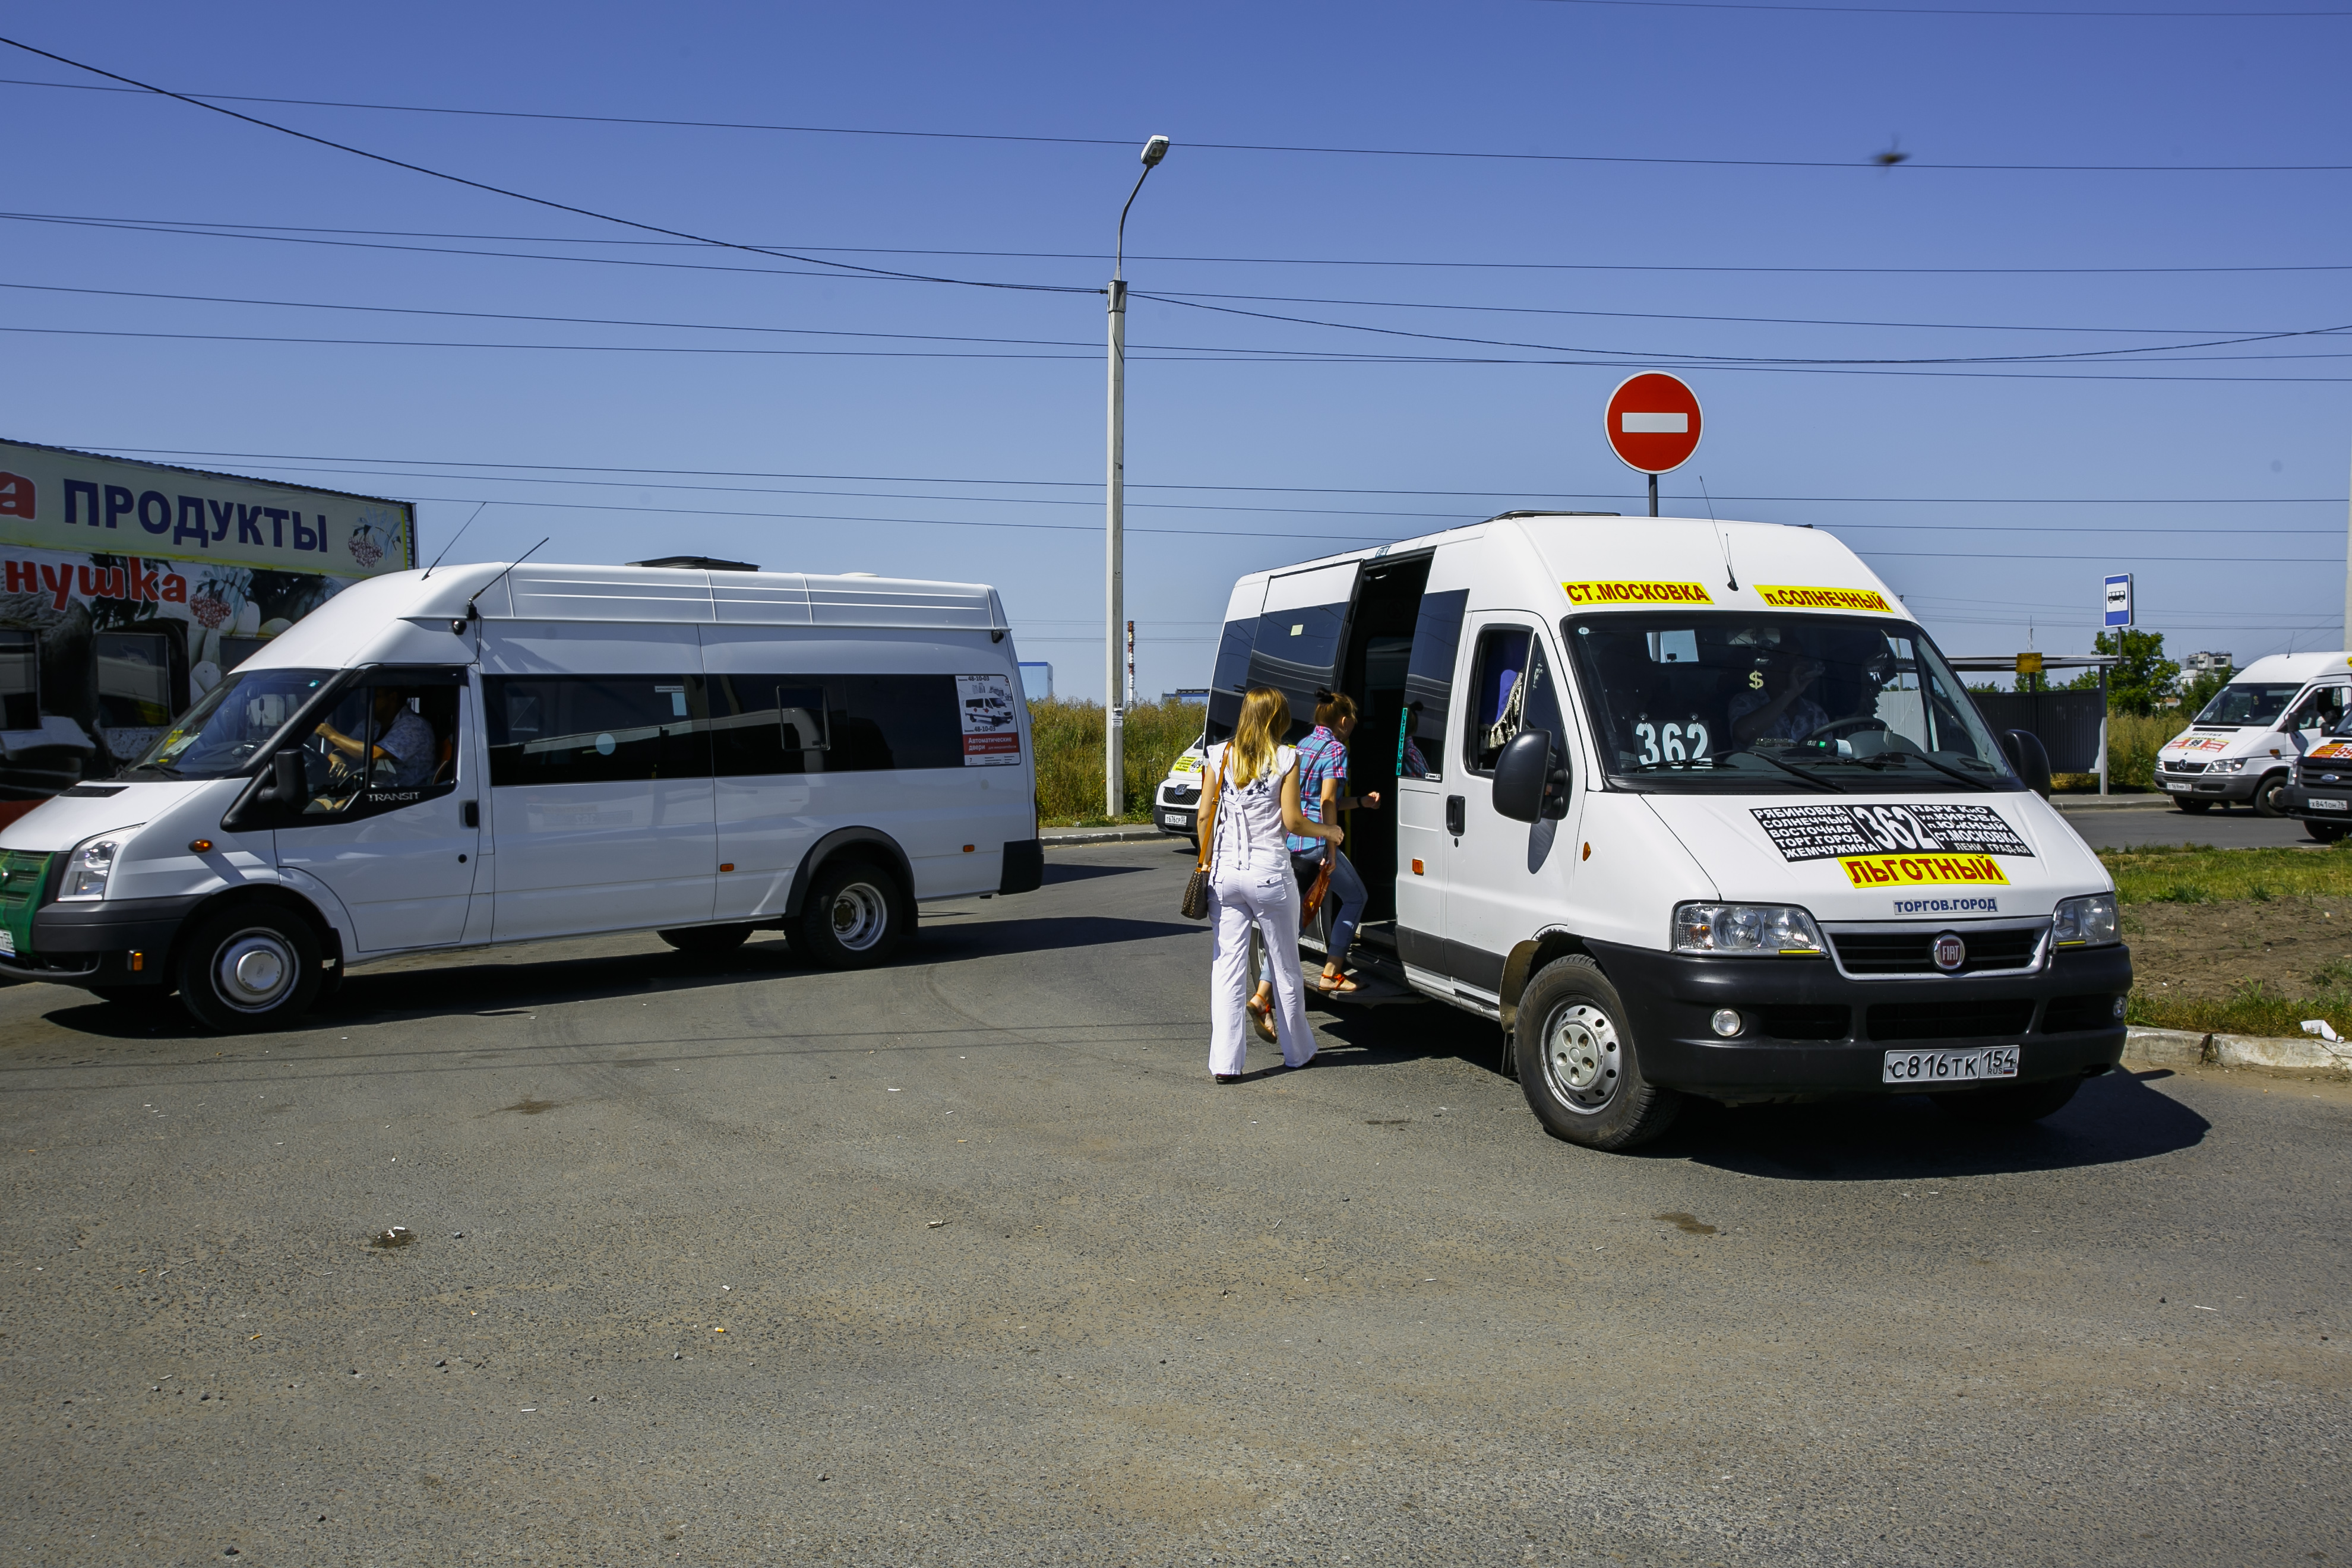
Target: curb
x=2110, y=802
x=2188, y=1048
x=1101, y=835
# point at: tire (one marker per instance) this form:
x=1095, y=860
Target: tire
x=2194, y=807
x=1578, y=1062
x=706, y=939
x=2008, y=1104
x=132, y=996
x=249, y=969
x=2326, y=831
x=855, y=916
x=2270, y=796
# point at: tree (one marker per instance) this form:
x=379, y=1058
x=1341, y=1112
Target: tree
x=2144, y=678
x=2199, y=688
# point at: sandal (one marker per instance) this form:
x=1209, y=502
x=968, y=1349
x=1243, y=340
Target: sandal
x=1334, y=985
x=1261, y=1016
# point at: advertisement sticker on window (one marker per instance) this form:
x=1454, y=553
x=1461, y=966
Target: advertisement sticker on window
x=992, y=730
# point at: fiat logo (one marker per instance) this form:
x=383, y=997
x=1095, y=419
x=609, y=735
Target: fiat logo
x=1950, y=953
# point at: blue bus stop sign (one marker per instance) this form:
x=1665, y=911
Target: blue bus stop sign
x=2119, y=601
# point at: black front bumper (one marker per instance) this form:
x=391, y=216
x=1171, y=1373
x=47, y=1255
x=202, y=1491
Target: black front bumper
x=1182, y=820
x=92, y=943
x=1671, y=997
x=2299, y=799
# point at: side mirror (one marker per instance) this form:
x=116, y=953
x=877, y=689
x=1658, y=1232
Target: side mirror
x=289, y=785
x=1521, y=772
x=2030, y=760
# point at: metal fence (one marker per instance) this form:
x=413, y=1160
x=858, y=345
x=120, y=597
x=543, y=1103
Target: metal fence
x=2067, y=721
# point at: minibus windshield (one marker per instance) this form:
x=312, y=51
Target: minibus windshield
x=230, y=724
x=1767, y=702
x=2249, y=702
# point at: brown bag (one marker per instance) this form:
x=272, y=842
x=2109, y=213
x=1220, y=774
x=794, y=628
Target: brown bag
x=1194, y=905
x=1313, y=901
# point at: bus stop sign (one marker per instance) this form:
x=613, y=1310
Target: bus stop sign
x=1653, y=423
x=2117, y=605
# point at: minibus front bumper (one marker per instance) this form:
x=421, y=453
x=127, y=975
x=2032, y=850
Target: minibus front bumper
x=2320, y=805
x=1177, y=808
x=2235, y=788
x=105, y=941
x=1807, y=1029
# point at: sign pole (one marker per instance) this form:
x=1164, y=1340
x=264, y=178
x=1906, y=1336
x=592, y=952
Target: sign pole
x=1653, y=512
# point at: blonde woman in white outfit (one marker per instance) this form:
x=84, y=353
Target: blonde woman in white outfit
x=1251, y=804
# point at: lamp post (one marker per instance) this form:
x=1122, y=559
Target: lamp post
x=1114, y=508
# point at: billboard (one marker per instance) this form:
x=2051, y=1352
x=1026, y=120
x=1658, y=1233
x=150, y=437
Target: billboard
x=127, y=589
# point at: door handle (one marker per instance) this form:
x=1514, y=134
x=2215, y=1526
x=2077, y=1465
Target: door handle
x=470, y=814
x=1456, y=814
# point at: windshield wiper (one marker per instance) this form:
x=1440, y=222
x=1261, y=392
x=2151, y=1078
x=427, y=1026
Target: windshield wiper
x=1831, y=785
x=1880, y=761
x=162, y=770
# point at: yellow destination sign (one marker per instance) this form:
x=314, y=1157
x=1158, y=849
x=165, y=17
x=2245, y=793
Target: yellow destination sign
x=1637, y=593
x=1922, y=870
x=1786, y=596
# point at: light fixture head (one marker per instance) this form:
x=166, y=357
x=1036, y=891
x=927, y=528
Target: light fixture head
x=1153, y=151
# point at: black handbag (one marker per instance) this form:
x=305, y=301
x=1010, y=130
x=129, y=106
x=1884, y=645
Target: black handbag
x=1194, y=905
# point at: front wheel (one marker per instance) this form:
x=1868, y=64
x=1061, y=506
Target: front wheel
x=2326, y=831
x=2008, y=1104
x=249, y=969
x=855, y=917
x=2270, y=796
x=2194, y=807
x=1578, y=1062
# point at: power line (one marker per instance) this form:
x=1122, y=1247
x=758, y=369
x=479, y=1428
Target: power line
x=208, y=227
x=214, y=100
x=501, y=191
x=1254, y=489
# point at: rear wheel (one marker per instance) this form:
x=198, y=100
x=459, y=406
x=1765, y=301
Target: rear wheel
x=1578, y=1062
x=2326, y=831
x=855, y=917
x=706, y=939
x=249, y=969
x=2194, y=807
x=2008, y=1104
x=2270, y=796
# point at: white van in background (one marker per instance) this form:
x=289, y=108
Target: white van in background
x=489, y=754
x=2242, y=748
x=1692, y=808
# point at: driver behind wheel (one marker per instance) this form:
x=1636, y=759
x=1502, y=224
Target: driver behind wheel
x=404, y=747
x=1775, y=706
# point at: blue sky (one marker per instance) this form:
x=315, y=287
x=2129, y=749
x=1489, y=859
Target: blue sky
x=1993, y=496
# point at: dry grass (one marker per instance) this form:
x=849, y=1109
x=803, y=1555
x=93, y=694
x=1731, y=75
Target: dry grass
x=2132, y=744
x=2194, y=875
x=1068, y=737
x=2252, y=1009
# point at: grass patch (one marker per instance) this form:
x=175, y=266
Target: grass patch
x=1068, y=738
x=2192, y=875
x=2252, y=1009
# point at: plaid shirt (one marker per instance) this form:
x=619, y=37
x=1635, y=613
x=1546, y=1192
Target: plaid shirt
x=1322, y=755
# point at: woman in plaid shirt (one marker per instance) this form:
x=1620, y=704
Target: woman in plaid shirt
x=1322, y=775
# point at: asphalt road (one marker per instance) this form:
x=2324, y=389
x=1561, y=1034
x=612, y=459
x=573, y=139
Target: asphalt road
x=1003, y=1278
x=2128, y=828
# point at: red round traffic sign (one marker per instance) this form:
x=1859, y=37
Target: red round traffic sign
x=1653, y=423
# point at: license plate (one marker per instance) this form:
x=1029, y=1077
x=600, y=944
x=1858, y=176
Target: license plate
x=1950, y=1067
x=1171, y=819
x=2176, y=786
x=7, y=943
x=2319, y=803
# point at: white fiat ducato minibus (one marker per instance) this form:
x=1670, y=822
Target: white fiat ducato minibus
x=1692, y=809
x=2241, y=747
x=492, y=754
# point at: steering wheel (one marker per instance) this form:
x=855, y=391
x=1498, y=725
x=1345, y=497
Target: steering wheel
x=1851, y=721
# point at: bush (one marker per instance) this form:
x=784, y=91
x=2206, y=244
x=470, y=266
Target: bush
x=1068, y=738
x=2132, y=744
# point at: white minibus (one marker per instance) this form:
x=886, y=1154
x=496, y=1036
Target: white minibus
x=2241, y=747
x=480, y=754
x=1692, y=808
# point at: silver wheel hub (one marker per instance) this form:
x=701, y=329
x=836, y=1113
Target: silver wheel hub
x=860, y=916
x=1582, y=1057
x=254, y=969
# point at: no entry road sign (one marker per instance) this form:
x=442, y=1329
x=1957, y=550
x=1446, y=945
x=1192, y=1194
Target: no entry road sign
x=1653, y=423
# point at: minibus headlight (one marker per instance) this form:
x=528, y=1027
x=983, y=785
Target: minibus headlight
x=88, y=867
x=2235, y=765
x=1766, y=929
x=2087, y=921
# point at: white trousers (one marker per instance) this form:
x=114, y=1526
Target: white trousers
x=1266, y=896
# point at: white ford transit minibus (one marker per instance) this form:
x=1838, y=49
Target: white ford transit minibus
x=2242, y=746
x=491, y=754
x=1692, y=808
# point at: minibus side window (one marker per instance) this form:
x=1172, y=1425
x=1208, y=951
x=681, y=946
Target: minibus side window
x=1429, y=684
x=797, y=723
x=1513, y=690
x=595, y=729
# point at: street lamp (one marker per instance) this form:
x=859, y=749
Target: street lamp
x=1115, y=507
